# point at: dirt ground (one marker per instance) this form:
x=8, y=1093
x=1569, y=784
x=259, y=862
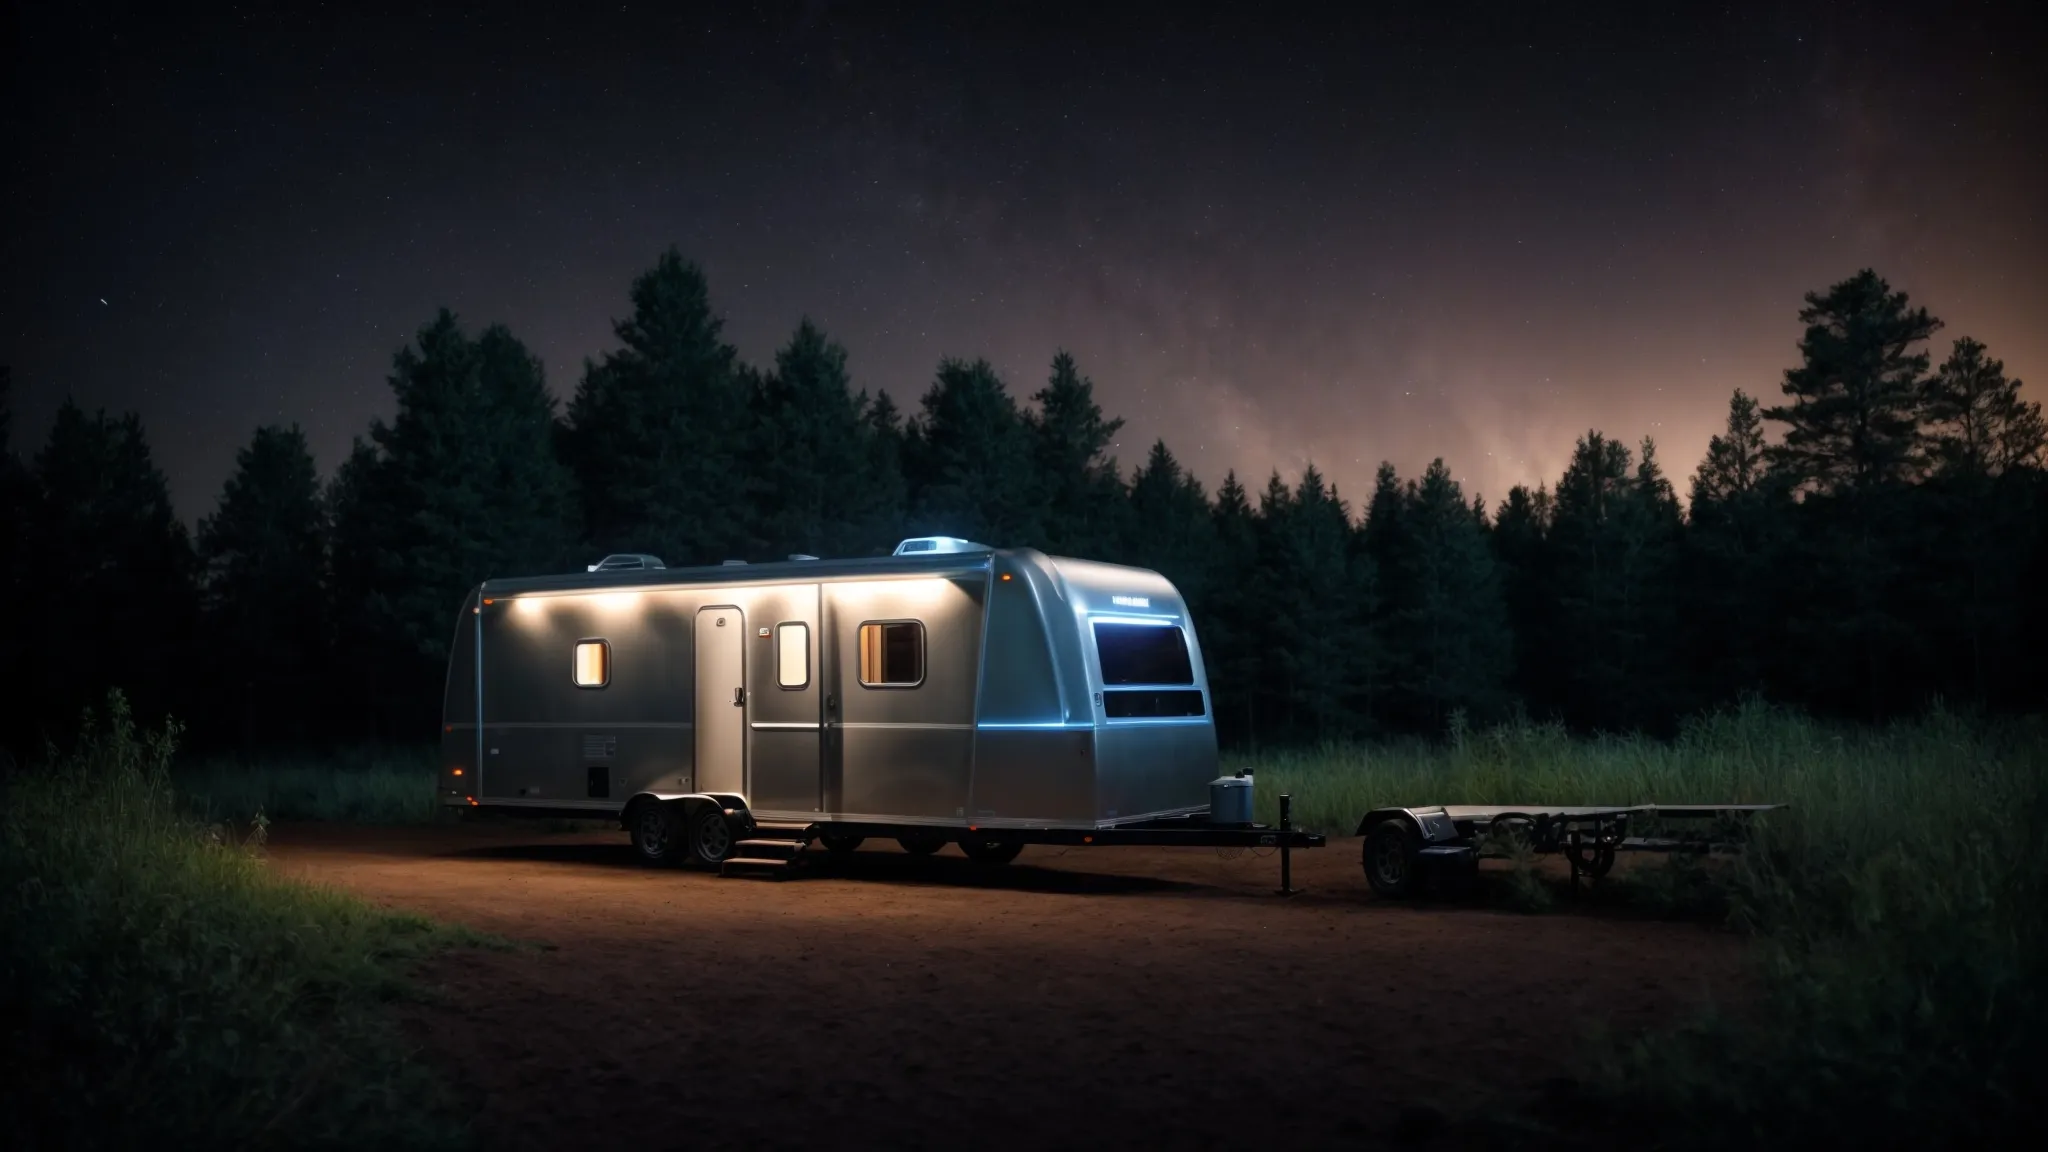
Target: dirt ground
x=1093, y=997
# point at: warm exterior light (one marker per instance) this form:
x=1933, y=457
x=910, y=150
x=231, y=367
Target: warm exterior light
x=1006, y=576
x=458, y=771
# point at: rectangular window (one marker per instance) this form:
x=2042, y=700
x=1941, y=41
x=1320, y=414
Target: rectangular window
x=1143, y=654
x=593, y=663
x=792, y=655
x=892, y=654
x=1151, y=703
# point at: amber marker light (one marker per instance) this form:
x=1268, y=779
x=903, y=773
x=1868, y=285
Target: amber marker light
x=457, y=771
x=1006, y=576
x=472, y=801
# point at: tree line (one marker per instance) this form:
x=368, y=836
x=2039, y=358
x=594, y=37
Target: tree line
x=1887, y=547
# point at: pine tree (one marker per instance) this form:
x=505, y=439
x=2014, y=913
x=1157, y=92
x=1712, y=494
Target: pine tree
x=1736, y=548
x=1231, y=632
x=462, y=485
x=657, y=429
x=969, y=461
x=1853, y=421
x=1309, y=591
x=1614, y=548
x=263, y=559
x=814, y=490
x=110, y=589
x=1520, y=549
x=1978, y=525
x=1077, y=478
x=883, y=434
x=1447, y=625
x=1981, y=426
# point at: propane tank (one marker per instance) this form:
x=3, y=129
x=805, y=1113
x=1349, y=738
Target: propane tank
x=1230, y=799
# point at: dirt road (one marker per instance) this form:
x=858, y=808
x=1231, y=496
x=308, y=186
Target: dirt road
x=1097, y=998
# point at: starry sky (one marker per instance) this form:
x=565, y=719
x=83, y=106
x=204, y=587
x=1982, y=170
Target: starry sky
x=1272, y=236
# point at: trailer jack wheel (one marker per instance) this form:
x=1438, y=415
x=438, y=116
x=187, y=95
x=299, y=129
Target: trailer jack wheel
x=657, y=834
x=921, y=845
x=991, y=851
x=1392, y=858
x=709, y=836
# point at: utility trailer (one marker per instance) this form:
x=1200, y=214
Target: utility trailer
x=734, y=716
x=1406, y=848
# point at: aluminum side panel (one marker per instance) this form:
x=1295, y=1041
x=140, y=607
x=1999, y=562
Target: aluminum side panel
x=1153, y=766
x=910, y=771
x=1034, y=776
x=903, y=751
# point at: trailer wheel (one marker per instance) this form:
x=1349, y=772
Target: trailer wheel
x=657, y=834
x=921, y=844
x=1392, y=858
x=841, y=845
x=990, y=851
x=708, y=837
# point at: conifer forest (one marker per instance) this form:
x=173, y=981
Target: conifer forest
x=1868, y=535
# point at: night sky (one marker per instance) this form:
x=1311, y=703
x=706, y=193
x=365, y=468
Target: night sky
x=1404, y=232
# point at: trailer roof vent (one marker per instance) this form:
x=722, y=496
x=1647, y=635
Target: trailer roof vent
x=801, y=556
x=620, y=561
x=919, y=544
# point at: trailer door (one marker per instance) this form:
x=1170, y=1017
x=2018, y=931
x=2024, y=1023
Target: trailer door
x=784, y=691
x=721, y=700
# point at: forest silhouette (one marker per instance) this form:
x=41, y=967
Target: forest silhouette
x=1872, y=538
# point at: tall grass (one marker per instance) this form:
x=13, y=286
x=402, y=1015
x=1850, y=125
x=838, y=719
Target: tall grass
x=163, y=989
x=1899, y=908
x=366, y=786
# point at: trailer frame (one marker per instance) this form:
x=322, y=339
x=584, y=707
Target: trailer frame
x=1407, y=847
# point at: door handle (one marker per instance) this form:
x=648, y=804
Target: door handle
x=739, y=697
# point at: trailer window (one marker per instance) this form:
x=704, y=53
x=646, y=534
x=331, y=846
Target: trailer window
x=1143, y=654
x=593, y=663
x=892, y=654
x=792, y=655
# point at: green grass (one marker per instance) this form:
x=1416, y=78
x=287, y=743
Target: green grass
x=370, y=786
x=164, y=989
x=1899, y=909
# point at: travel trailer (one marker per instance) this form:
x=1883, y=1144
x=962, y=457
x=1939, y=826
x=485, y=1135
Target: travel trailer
x=951, y=693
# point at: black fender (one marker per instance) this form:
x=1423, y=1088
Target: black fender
x=731, y=803
x=1432, y=824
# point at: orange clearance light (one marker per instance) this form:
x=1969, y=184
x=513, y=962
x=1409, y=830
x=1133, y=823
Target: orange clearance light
x=458, y=771
x=472, y=801
x=487, y=600
x=1006, y=575
x=1087, y=839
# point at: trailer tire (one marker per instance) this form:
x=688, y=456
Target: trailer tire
x=1392, y=858
x=990, y=851
x=657, y=833
x=708, y=837
x=841, y=845
x=921, y=844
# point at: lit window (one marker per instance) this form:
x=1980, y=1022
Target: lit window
x=593, y=663
x=792, y=655
x=892, y=655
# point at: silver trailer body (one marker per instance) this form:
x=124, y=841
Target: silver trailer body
x=981, y=688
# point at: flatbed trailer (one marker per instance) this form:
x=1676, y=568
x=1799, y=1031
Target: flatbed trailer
x=1405, y=848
